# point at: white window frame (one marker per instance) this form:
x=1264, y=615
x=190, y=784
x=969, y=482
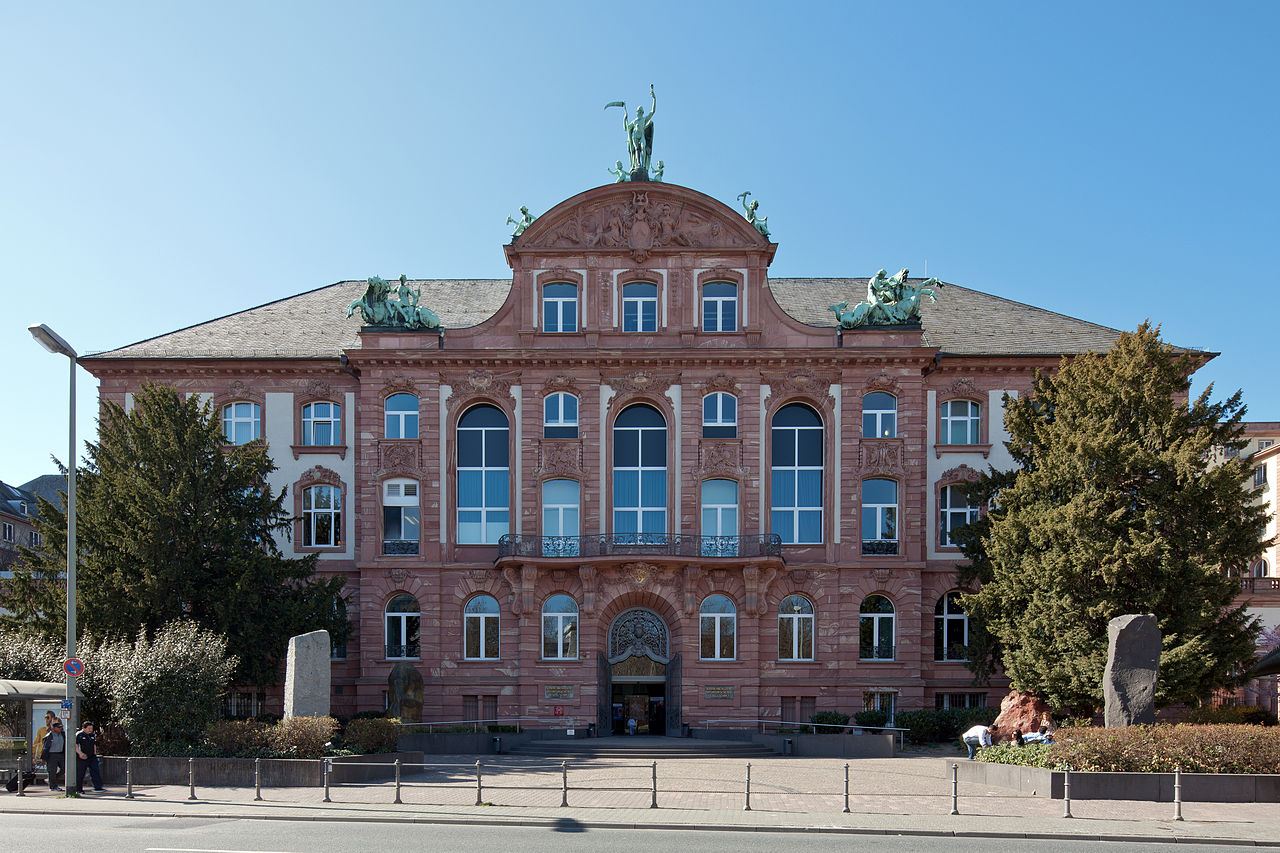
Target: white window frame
x=638, y=323
x=718, y=520
x=950, y=516
x=483, y=620
x=944, y=624
x=556, y=538
x=560, y=626
x=239, y=413
x=881, y=512
x=402, y=617
x=403, y=418
x=883, y=422
x=718, y=620
x=971, y=418
x=718, y=304
x=485, y=509
x=714, y=415
x=797, y=623
x=1259, y=476
x=559, y=303
x=639, y=509
x=402, y=494
x=879, y=620
x=311, y=419
x=312, y=513
x=554, y=416
x=794, y=434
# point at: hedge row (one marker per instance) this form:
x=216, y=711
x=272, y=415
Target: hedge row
x=297, y=737
x=1150, y=749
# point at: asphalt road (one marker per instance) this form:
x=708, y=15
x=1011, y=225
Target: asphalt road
x=29, y=833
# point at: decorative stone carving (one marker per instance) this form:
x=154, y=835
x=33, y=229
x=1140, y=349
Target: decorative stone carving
x=398, y=384
x=513, y=579
x=882, y=456
x=757, y=584
x=559, y=457
x=398, y=575
x=404, y=693
x=963, y=387
x=800, y=383
x=476, y=383
x=882, y=574
x=587, y=575
x=882, y=381
x=639, y=574
x=720, y=458
x=638, y=633
x=528, y=581
x=319, y=475
x=692, y=577
x=319, y=390
x=1133, y=661
x=720, y=382
x=959, y=474
x=561, y=382
x=638, y=384
x=398, y=456
x=306, y=677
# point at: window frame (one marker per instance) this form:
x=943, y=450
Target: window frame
x=947, y=419
x=640, y=510
x=879, y=417
x=716, y=424
x=947, y=513
x=726, y=307
x=484, y=469
x=311, y=515
x=6, y=532
x=719, y=637
x=402, y=416
x=891, y=546
x=636, y=324
x=561, y=621
x=943, y=617
x=877, y=619
x=561, y=544
x=558, y=424
x=403, y=617
x=485, y=619
x=310, y=422
x=796, y=623
x=561, y=303
x=402, y=502
x=716, y=542
x=231, y=419
x=796, y=510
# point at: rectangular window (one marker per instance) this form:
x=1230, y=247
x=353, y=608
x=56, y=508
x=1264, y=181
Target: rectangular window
x=719, y=518
x=879, y=517
x=8, y=532
x=560, y=308
x=400, y=517
x=1259, y=476
x=640, y=307
x=35, y=539
x=947, y=701
x=560, y=518
x=881, y=701
x=719, y=415
x=960, y=422
x=720, y=307
x=1265, y=443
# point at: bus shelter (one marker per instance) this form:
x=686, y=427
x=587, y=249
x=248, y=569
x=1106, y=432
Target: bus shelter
x=22, y=707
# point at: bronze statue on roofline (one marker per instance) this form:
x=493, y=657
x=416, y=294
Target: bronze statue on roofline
x=378, y=309
x=891, y=301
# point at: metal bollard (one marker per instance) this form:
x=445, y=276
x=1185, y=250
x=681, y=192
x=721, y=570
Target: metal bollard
x=325, y=768
x=128, y=778
x=955, y=789
x=1066, y=793
x=653, y=803
x=479, y=786
x=191, y=777
x=747, y=807
x=257, y=780
x=1177, y=793
x=22, y=788
x=846, y=787
x=564, y=784
x=397, y=800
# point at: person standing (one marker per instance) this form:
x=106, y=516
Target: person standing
x=53, y=752
x=976, y=737
x=86, y=752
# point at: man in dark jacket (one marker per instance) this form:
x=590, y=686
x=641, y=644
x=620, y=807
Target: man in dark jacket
x=87, y=758
x=53, y=752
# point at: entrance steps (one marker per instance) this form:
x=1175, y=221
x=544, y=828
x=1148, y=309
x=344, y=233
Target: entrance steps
x=639, y=747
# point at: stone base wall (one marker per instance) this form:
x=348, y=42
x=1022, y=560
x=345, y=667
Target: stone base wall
x=1153, y=787
x=238, y=772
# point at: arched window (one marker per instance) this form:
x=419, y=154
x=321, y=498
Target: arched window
x=483, y=476
x=719, y=307
x=560, y=307
x=719, y=518
x=639, y=473
x=403, y=628
x=719, y=628
x=322, y=424
x=1261, y=569
x=400, y=517
x=795, y=628
x=875, y=628
x=481, y=628
x=322, y=517
x=560, y=416
x=960, y=422
x=719, y=415
x=560, y=517
x=640, y=307
x=954, y=512
x=797, y=475
x=879, y=517
x=241, y=422
x=950, y=628
x=879, y=415
x=560, y=628
x=402, y=416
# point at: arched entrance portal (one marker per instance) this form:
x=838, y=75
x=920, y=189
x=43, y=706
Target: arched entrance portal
x=639, y=678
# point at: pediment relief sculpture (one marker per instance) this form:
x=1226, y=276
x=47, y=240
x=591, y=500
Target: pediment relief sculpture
x=882, y=381
x=476, y=383
x=559, y=457
x=964, y=387
x=959, y=474
x=800, y=383
x=882, y=456
x=720, y=458
x=719, y=382
x=319, y=475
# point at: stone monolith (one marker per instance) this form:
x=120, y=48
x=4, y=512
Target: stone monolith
x=404, y=693
x=306, y=679
x=1133, y=658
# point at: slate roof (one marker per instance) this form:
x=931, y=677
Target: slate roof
x=314, y=324
x=12, y=500
x=47, y=486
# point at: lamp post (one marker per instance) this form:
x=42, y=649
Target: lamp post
x=53, y=342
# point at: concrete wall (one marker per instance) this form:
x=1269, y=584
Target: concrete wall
x=1154, y=787
x=238, y=772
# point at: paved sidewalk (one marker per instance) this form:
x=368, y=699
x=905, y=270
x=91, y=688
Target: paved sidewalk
x=901, y=796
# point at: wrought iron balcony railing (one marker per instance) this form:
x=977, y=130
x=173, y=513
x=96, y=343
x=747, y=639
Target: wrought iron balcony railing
x=650, y=544
x=880, y=547
x=883, y=651
x=406, y=651
x=399, y=547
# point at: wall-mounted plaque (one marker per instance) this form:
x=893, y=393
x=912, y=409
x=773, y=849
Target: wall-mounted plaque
x=717, y=691
x=557, y=691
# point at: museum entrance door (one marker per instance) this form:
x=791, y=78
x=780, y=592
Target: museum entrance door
x=636, y=674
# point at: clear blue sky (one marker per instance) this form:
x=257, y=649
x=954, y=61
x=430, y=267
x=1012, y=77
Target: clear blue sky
x=165, y=163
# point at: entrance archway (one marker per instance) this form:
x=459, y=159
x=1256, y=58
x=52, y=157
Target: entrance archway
x=639, y=678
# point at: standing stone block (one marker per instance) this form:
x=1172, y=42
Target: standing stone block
x=307, y=677
x=404, y=693
x=1133, y=658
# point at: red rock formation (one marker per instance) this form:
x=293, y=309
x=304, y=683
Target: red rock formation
x=1020, y=711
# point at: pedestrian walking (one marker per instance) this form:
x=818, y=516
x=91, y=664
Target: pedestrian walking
x=53, y=752
x=87, y=753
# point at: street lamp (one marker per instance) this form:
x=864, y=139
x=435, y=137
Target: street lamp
x=53, y=342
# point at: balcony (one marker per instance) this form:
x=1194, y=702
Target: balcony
x=406, y=651
x=399, y=547
x=880, y=547
x=1255, y=585
x=647, y=544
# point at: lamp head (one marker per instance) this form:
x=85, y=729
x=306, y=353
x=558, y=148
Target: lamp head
x=51, y=340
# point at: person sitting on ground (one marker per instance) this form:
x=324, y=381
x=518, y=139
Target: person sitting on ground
x=976, y=737
x=1017, y=737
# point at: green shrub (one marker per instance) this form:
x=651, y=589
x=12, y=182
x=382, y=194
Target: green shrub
x=372, y=734
x=237, y=739
x=921, y=726
x=871, y=719
x=302, y=737
x=833, y=720
x=1230, y=714
x=1220, y=748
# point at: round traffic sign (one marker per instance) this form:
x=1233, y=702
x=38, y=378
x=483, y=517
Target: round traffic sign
x=73, y=667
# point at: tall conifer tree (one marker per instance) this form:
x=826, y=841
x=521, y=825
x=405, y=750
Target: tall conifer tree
x=1118, y=505
x=173, y=523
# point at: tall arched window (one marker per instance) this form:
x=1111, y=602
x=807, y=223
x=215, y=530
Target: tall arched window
x=718, y=628
x=720, y=307
x=1261, y=569
x=401, y=416
x=950, y=628
x=640, y=307
x=560, y=416
x=875, y=628
x=960, y=422
x=484, y=509
x=719, y=518
x=560, y=515
x=797, y=475
x=879, y=415
x=560, y=307
x=241, y=422
x=560, y=628
x=480, y=628
x=322, y=517
x=720, y=415
x=640, y=473
x=322, y=424
x=879, y=517
x=954, y=512
x=795, y=628
x=403, y=628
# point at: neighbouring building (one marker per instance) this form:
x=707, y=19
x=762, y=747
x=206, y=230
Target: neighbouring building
x=639, y=478
x=18, y=514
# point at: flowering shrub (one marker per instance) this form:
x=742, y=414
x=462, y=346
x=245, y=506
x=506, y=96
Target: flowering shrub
x=1151, y=749
x=373, y=735
x=302, y=737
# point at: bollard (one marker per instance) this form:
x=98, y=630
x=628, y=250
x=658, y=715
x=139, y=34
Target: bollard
x=653, y=803
x=128, y=778
x=955, y=789
x=1066, y=792
x=397, y=799
x=747, y=807
x=479, y=786
x=325, y=769
x=22, y=788
x=191, y=777
x=564, y=784
x=1177, y=793
x=257, y=780
x=846, y=787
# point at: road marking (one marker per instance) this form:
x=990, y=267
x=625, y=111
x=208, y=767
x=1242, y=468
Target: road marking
x=202, y=850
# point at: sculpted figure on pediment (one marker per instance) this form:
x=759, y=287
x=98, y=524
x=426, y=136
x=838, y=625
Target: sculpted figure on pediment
x=476, y=383
x=649, y=219
x=882, y=381
x=963, y=387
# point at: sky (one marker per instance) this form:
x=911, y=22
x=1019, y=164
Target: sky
x=163, y=164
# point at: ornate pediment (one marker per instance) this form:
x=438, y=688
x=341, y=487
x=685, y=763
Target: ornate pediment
x=719, y=382
x=398, y=384
x=800, y=383
x=882, y=381
x=319, y=475
x=963, y=387
x=398, y=457
x=959, y=474
x=476, y=383
x=638, y=383
x=318, y=389
x=561, y=382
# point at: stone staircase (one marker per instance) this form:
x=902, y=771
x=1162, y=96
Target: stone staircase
x=640, y=747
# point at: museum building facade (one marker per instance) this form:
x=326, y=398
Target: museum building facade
x=640, y=478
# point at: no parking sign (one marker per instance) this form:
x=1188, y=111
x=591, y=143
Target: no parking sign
x=73, y=667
